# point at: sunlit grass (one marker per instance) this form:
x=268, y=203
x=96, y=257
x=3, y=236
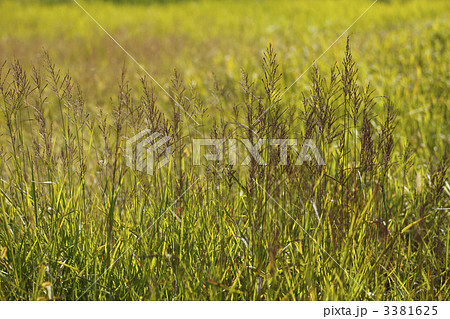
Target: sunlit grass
x=74, y=218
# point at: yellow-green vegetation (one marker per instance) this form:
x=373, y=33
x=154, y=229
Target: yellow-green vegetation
x=371, y=224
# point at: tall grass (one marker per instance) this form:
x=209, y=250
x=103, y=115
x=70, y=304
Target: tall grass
x=77, y=223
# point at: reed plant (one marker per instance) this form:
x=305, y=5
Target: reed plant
x=77, y=223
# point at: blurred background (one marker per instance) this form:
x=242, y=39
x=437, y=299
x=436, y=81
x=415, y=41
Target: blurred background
x=401, y=47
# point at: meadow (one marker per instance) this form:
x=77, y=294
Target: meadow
x=78, y=223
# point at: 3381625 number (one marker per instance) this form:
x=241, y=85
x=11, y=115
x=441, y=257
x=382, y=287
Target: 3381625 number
x=410, y=311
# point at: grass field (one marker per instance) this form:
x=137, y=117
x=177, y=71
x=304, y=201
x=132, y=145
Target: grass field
x=78, y=223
